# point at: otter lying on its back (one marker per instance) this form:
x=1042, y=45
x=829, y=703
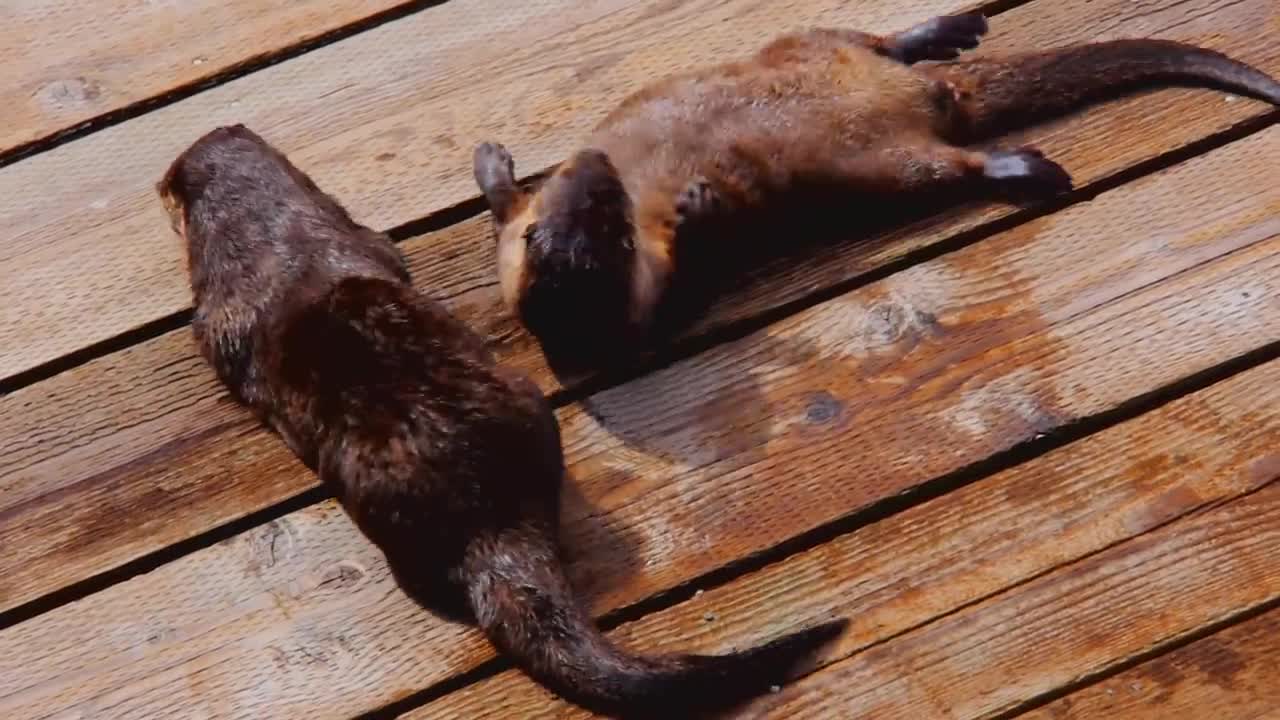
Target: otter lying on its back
x=586, y=258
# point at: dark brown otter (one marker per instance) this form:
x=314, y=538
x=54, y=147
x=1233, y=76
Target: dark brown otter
x=585, y=259
x=449, y=463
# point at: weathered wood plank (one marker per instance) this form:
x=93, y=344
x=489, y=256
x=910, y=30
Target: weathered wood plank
x=1230, y=675
x=385, y=119
x=94, y=244
x=931, y=560
x=795, y=426
x=1077, y=621
x=152, y=451
x=65, y=64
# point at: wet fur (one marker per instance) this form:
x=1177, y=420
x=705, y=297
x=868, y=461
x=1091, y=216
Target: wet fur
x=828, y=112
x=449, y=463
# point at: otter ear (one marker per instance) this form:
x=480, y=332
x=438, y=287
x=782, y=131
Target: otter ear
x=239, y=130
x=167, y=186
x=494, y=171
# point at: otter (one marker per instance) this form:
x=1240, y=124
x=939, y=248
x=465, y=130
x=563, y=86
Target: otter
x=450, y=464
x=587, y=256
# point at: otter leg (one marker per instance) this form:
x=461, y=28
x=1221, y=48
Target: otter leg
x=939, y=38
x=1021, y=173
x=495, y=175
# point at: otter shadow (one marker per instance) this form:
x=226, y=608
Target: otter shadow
x=714, y=405
x=704, y=412
x=722, y=262
x=600, y=553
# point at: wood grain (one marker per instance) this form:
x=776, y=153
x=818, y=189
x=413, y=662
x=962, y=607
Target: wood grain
x=900, y=574
x=386, y=121
x=1230, y=675
x=1070, y=624
x=151, y=447
x=794, y=426
x=65, y=65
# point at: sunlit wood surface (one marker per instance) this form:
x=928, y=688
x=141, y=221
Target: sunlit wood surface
x=1031, y=453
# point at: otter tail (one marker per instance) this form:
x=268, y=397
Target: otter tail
x=523, y=602
x=999, y=94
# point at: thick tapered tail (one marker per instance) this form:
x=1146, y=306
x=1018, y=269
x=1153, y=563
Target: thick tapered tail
x=995, y=95
x=523, y=602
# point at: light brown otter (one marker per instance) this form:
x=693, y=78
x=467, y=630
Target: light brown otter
x=586, y=258
x=449, y=463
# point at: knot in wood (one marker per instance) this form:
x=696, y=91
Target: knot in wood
x=823, y=408
x=887, y=322
x=74, y=92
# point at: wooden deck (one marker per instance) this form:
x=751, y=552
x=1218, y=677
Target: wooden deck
x=1032, y=453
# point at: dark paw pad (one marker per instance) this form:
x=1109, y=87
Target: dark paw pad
x=940, y=38
x=697, y=200
x=1027, y=172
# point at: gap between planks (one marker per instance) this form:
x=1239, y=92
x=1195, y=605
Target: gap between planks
x=1229, y=675
x=1200, y=585
x=1239, y=619
x=82, y=85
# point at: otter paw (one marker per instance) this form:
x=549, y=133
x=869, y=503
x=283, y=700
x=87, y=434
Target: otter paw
x=697, y=200
x=1026, y=172
x=493, y=164
x=939, y=38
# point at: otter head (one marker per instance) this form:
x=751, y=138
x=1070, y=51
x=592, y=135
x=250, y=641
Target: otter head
x=209, y=184
x=566, y=252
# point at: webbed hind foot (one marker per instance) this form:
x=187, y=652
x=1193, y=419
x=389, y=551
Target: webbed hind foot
x=939, y=38
x=1026, y=174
